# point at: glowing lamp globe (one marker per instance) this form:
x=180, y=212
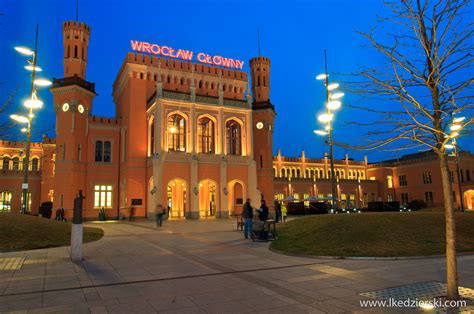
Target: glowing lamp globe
x=325, y=117
x=333, y=105
x=33, y=103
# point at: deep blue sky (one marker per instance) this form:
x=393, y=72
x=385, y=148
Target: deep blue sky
x=293, y=34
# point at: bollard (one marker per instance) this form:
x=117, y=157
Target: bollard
x=76, y=230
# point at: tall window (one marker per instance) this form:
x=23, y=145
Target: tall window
x=99, y=146
x=205, y=132
x=152, y=138
x=403, y=180
x=429, y=197
x=468, y=175
x=16, y=163
x=103, y=151
x=34, y=164
x=102, y=196
x=427, y=177
x=404, y=198
x=6, y=162
x=5, y=201
x=28, y=201
x=389, y=182
x=176, y=133
x=233, y=138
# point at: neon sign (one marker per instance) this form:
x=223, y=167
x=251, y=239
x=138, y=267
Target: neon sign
x=142, y=46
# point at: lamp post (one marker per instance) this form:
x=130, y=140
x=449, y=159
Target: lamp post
x=332, y=103
x=455, y=127
x=32, y=103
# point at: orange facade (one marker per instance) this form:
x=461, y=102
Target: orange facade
x=195, y=138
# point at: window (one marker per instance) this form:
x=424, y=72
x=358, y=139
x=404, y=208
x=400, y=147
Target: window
x=233, y=138
x=389, y=182
x=468, y=175
x=16, y=163
x=107, y=151
x=28, y=201
x=283, y=172
x=427, y=177
x=103, y=151
x=102, y=196
x=98, y=150
x=5, y=201
x=176, y=133
x=403, y=180
x=6, y=162
x=462, y=175
x=389, y=197
x=454, y=196
x=404, y=198
x=34, y=164
x=205, y=133
x=429, y=197
x=151, y=148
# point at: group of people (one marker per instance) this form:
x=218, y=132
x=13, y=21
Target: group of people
x=280, y=212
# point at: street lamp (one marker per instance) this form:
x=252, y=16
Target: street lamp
x=32, y=103
x=455, y=127
x=332, y=103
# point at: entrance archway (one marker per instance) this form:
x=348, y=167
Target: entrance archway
x=469, y=199
x=177, y=198
x=207, y=198
x=236, y=198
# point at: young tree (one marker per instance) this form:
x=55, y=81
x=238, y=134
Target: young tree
x=5, y=122
x=425, y=79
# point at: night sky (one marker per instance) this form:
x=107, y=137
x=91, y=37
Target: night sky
x=293, y=35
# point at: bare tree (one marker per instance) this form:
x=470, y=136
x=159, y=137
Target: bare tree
x=424, y=80
x=6, y=123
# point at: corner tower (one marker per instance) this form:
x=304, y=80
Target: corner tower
x=72, y=98
x=263, y=117
x=76, y=40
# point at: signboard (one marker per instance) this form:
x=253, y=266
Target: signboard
x=24, y=186
x=187, y=55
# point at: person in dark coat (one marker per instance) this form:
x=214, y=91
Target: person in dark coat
x=247, y=215
x=277, y=212
x=263, y=215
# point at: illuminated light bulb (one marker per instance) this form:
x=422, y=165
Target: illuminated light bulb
x=454, y=134
x=23, y=130
x=325, y=117
x=333, y=105
x=33, y=103
x=36, y=68
x=327, y=127
x=173, y=129
x=454, y=127
x=18, y=118
x=31, y=115
x=460, y=119
x=25, y=51
x=322, y=76
x=333, y=86
x=336, y=95
x=449, y=146
x=43, y=82
x=320, y=132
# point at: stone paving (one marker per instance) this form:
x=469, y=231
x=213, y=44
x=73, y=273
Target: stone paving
x=199, y=267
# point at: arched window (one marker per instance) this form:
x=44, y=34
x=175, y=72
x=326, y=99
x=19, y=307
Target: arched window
x=16, y=164
x=298, y=174
x=151, y=148
x=275, y=172
x=283, y=172
x=6, y=162
x=205, y=133
x=34, y=164
x=176, y=133
x=233, y=138
x=107, y=151
x=98, y=150
x=75, y=51
x=5, y=201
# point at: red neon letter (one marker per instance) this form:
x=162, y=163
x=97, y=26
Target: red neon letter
x=187, y=55
x=155, y=49
x=136, y=45
x=226, y=62
x=146, y=47
x=201, y=57
x=240, y=64
x=165, y=53
x=208, y=59
x=217, y=60
x=171, y=53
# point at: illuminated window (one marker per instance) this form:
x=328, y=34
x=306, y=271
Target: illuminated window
x=389, y=182
x=279, y=196
x=16, y=164
x=6, y=162
x=176, y=133
x=5, y=201
x=102, y=196
x=233, y=138
x=151, y=144
x=34, y=164
x=205, y=133
x=28, y=201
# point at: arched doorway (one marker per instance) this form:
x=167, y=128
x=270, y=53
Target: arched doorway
x=207, y=198
x=177, y=198
x=469, y=199
x=236, y=198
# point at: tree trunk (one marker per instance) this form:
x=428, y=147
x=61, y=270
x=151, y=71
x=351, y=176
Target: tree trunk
x=451, y=260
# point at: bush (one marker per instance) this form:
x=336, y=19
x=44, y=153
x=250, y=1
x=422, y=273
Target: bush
x=417, y=205
x=45, y=209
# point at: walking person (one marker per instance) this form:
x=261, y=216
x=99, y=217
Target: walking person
x=278, y=212
x=159, y=211
x=247, y=214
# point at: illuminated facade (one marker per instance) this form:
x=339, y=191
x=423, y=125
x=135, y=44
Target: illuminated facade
x=189, y=135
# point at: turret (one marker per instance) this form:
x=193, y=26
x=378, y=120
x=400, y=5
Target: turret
x=76, y=41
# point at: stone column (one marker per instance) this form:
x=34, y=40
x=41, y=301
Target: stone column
x=193, y=212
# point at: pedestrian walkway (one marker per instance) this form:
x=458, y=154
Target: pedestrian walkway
x=198, y=267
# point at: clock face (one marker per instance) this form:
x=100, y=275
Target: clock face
x=65, y=107
x=80, y=108
x=259, y=125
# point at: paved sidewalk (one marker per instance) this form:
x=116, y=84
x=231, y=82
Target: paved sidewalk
x=198, y=267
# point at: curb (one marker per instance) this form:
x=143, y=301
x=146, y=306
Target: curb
x=393, y=258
